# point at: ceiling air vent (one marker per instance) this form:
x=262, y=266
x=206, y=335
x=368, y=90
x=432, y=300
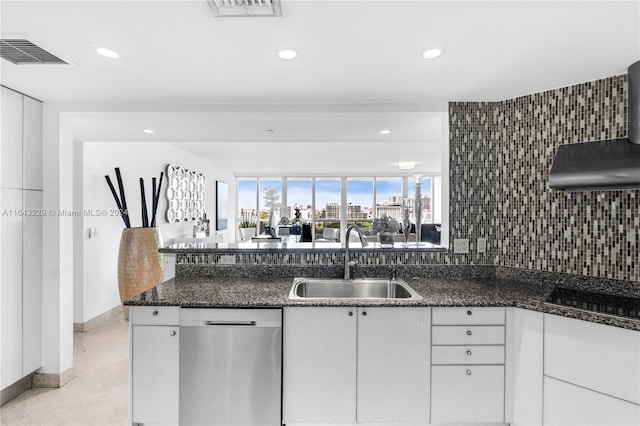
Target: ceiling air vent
x=20, y=51
x=222, y=8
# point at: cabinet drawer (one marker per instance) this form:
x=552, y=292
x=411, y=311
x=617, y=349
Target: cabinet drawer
x=595, y=356
x=467, y=355
x=468, y=335
x=471, y=316
x=467, y=394
x=155, y=315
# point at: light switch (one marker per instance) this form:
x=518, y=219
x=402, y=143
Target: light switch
x=482, y=245
x=227, y=259
x=461, y=246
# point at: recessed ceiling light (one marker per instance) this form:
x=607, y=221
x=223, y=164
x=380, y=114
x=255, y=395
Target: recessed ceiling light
x=287, y=54
x=384, y=131
x=432, y=53
x=407, y=165
x=148, y=131
x=108, y=53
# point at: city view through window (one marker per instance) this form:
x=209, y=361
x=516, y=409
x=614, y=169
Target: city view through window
x=320, y=200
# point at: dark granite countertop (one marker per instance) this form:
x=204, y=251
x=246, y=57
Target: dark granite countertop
x=230, y=292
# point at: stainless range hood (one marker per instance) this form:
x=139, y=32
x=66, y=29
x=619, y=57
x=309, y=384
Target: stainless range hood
x=611, y=164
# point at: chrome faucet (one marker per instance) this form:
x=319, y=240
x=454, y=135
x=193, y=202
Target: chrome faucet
x=363, y=241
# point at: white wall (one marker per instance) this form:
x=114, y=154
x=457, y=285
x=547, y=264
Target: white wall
x=96, y=289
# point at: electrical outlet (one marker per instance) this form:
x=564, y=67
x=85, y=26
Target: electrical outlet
x=461, y=245
x=228, y=259
x=482, y=245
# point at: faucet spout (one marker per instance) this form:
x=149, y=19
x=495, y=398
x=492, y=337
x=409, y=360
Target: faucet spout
x=363, y=241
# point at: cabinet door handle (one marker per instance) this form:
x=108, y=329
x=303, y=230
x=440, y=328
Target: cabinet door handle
x=469, y=353
x=364, y=313
x=468, y=372
x=469, y=313
x=155, y=313
x=350, y=313
x=173, y=333
x=469, y=333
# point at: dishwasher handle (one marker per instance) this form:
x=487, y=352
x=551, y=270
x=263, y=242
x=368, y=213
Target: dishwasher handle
x=231, y=323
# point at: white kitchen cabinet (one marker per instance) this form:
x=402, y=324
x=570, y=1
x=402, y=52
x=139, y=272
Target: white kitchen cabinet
x=32, y=283
x=155, y=369
x=11, y=136
x=32, y=144
x=598, y=357
x=468, y=316
x=467, y=394
x=21, y=232
x=468, y=335
x=468, y=365
x=348, y=365
x=393, y=365
x=568, y=404
x=319, y=365
x=11, y=285
x=524, y=366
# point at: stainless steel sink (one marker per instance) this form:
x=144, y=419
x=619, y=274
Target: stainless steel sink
x=361, y=288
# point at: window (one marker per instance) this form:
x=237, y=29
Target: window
x=247, y=197
x=359, y=199
x=335, y=202
x=328, y=206
x=389, y=198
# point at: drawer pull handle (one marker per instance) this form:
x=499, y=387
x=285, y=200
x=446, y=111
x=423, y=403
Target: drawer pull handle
x=364, y=313
x=469, y=353
x=350, y=313
x=468, y=372
x=469, y=313
x=173, y=333
x=155, y=313
x=469, y=333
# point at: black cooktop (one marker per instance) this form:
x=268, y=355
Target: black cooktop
x=619, y=306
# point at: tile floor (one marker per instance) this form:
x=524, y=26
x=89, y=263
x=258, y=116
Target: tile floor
x=98, y=393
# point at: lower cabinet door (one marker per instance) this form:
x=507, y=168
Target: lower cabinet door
x=319, y=365
x=568, y=404
x=155, y=380
x=393, y=365
x=467, y=394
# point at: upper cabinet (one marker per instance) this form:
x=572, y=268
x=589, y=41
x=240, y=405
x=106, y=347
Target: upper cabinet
x=32, y=144
x=11, y=133
x=21, y=133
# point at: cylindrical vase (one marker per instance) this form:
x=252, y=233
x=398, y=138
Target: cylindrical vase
x=139, y=263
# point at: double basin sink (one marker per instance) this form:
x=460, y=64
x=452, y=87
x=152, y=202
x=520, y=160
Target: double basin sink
x=360, y=288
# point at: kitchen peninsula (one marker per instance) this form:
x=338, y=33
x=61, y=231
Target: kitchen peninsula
x=483, y=337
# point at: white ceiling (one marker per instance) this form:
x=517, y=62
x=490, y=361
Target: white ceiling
x=360, y=58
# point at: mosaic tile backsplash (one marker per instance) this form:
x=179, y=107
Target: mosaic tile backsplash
x=501, y=154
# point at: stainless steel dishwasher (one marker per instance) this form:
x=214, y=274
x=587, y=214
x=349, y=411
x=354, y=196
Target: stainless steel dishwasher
x=230, y=366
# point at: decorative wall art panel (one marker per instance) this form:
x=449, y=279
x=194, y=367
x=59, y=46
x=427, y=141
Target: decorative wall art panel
x=186, y=194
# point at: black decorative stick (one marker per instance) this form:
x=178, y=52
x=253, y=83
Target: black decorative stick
x=154, y=205
x=115, y=197
x=123, y=200
x=157, y=200
x=145, y=216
